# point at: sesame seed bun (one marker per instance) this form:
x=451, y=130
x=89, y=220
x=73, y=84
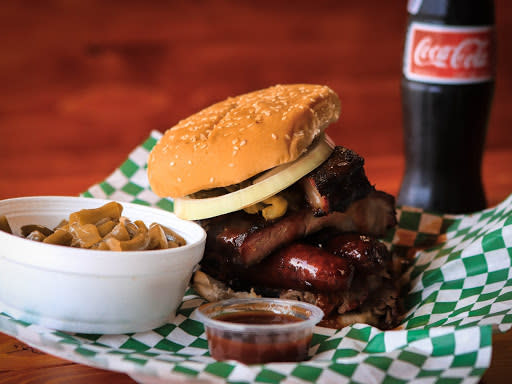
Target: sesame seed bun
x=240, y=137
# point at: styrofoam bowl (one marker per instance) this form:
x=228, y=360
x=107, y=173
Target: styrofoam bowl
x=91, y=291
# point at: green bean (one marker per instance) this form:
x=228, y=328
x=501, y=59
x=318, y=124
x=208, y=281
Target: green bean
x=157, y=238
x=113, y=244
x=138, y=242
x=103, y=221
x=63, y=224
x=105, y=228
x=140, y=226
x=102, y=228
x=36, y=236
x=84, y=236
x=59, y=237
x=64, y=227
x=173, y=236
x=28, y=229
x=119, y=232
x=130, y=226
x=112, y=210
x=172, y=244
x=4, y=225
x=102, y=246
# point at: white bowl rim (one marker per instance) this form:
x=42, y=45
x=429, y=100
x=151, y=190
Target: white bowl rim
x=316, y=314
x=100, y=256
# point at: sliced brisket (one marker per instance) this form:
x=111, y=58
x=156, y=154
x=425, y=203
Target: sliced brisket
x=338, y=182
x=246, y=239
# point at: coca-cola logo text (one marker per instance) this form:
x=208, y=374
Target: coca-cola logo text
x=470, y=53
x=448, y=54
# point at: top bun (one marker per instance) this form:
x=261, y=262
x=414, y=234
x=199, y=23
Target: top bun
x=240, y=137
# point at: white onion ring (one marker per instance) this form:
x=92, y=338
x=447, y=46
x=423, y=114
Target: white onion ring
x=265, y=186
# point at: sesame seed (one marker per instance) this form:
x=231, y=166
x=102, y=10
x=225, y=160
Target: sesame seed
x=274, y=136
x=189, y=162
x=287, y=136
x=243, y=142
x=179, y=179
x=211, y=179
x=171, y=163
x=231, y=165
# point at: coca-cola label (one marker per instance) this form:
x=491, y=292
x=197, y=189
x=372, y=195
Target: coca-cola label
x=448, y=54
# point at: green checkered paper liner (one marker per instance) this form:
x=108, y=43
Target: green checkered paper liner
x=460, y=292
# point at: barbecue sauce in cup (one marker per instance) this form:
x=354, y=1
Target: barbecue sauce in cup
x=256, y=331
x=258, y=317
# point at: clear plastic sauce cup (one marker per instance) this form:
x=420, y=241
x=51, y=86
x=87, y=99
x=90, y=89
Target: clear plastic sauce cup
x=256, y=331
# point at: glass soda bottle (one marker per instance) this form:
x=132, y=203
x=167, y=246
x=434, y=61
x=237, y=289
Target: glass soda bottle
x=447, y=88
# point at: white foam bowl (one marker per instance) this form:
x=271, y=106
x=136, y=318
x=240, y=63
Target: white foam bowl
x=91, y=291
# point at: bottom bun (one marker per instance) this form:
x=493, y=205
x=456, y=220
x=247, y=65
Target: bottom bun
x=383, y=309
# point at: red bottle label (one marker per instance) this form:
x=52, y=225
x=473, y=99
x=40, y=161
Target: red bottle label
x=448, y=54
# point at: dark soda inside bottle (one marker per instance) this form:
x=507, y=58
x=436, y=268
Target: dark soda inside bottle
x=444, y=117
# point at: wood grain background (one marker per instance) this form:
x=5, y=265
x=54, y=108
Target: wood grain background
x=83, y=82
x=88, y=80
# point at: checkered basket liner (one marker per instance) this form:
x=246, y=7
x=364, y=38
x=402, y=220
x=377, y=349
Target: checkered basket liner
x=461, y=290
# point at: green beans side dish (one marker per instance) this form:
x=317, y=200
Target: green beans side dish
x=102, y=228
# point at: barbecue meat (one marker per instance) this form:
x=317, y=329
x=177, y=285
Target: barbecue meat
x=338, y=182
x=323, y=250
x=311, y=267
x=339, y=275
x=247, y=239
x=373, y=215
x=299, y=266
x=365, y=253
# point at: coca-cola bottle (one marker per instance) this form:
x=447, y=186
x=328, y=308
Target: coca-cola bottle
x=447, y=89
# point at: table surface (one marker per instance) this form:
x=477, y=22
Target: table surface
x=83, y=83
